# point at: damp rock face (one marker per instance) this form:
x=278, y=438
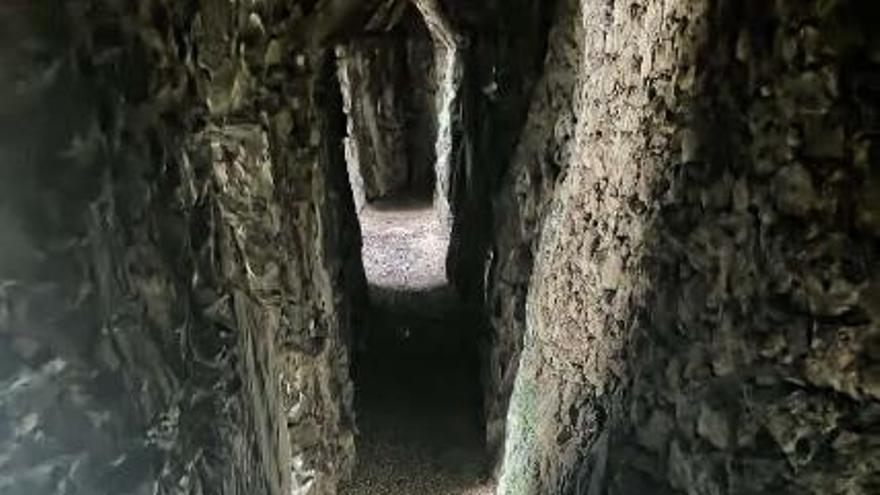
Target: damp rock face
x=700, y=318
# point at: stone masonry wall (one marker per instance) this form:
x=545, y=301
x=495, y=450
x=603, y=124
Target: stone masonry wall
x=702, y=314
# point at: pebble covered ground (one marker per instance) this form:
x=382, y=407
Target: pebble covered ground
x=418, y=413
x=404, y=248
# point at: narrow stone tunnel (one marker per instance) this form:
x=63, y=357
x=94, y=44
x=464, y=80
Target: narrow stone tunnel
x=415, y=361
x=522, y=247
x=419, y=398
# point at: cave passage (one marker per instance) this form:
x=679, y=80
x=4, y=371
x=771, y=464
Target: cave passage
x=589, y=247
x=416, y=368
x=415, y=360
x=418, y=398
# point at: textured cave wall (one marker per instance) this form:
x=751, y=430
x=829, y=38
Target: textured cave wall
x=495, y=224
x=389, y=89
x=372, y=72
x=702, y=314
x=420, y=98
x=122, y=374
x=448, y=105
x=328, y=286
x=178, y=245
x=519, y=204
x=502, y=54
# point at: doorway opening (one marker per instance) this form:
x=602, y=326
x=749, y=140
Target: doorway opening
x=415, y=361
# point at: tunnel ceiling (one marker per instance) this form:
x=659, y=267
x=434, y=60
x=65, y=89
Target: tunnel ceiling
x=336, y=20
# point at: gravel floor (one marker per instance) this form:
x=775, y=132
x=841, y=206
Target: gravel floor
x=418, y=403
x=404, y=247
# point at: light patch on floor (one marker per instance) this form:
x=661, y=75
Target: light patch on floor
x=404, y=247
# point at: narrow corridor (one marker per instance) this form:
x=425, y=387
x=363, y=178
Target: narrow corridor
x=416, y=367
x=418, y=401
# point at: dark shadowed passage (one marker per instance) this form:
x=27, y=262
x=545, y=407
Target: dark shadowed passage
x=415, y=360
x=416, y=365
x=418, y=399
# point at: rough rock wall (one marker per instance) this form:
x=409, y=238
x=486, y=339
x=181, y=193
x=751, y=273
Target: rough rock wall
x=520, y=205
x=503, y=50
x=502, y=47
x=371, y=72
x=502, y=58
x=421, y=98
x=388, y=86
x=122, y=375
x=449, y=144
x=447, y=108
x=702, y=314
x=324, y=278
x=171, y=314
